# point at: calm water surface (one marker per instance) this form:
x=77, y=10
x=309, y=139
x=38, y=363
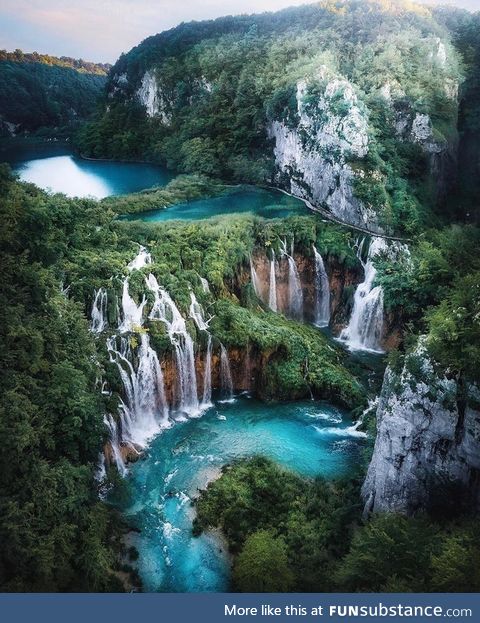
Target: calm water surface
x=54, y=167
x=310, y=438
x=248, y=199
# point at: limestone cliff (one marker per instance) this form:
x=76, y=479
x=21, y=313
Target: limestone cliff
x=428, y=439
x=312, y=155
x=153, y=99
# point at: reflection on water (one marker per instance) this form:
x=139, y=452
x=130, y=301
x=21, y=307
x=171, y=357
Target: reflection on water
x=53, y=167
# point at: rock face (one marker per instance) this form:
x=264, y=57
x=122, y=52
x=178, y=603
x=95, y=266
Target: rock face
x=415, y=127
x=342, y=280
x=150, y=95
x=311, y=156
x=427, y=439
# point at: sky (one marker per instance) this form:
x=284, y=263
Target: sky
x=100, y=30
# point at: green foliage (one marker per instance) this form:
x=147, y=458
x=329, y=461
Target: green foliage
x=465, y=29
x=55, y=534
x=392, y=552
x=436, y=289
x=389, y=548
x=181, y=189
x=454, y=328
x=40, y=93
x=83, y=67
x=314, y=532
x=296, y=359
x=262, y=565
x=309, y=521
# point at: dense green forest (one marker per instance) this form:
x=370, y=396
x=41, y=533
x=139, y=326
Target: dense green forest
x=83, y=67
x=56, y=534
x=47, y=95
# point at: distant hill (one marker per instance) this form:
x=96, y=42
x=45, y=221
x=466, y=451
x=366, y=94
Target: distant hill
x=45, y=94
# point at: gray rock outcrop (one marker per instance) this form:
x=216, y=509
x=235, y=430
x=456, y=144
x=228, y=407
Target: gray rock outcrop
x=426, y=438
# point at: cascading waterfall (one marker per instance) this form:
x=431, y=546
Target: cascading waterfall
x=205, y=285
x=207, y=380
x=99, y=311
x=145, y=411
x=295, y=294
x=165, y=310
x=272, y=294
x=365, y=328
x=322, y=292
x=115, y=446
x=132, y=313
x=255, y=280
x=142, y=258
x=226, y=382
x=196, y=312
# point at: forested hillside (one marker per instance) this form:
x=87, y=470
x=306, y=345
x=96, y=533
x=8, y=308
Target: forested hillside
x=55, y=532
x=47, y=95
x=352, y=105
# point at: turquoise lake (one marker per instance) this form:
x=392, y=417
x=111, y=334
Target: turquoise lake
x=309, y=438
x=54, y=167
x=260, y=201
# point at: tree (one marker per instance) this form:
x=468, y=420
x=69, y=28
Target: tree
x=262, y=565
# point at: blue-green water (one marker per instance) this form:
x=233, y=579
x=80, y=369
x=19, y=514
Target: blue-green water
x=55, y=168
x=259, y=201
x=310, y=438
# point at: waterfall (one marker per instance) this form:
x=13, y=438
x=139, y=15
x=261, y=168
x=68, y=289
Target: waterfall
x=165, y=310
x=295, y=294
x=142, y=258
x=205, y=285
x=114, y=439
x=101, y=471
x=365, y=328
x=255, y=281
x=272, y=295
x=196, y=312
x=99, y=311
x=207, y=378
x=131, y=312
x=226, y=382
x=145, y=411
x=322, y=292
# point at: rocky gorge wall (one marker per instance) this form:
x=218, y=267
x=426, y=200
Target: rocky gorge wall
x=428, y=441
x=312, y=155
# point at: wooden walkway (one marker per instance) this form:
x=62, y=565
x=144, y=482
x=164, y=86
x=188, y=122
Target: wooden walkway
x=331, y=217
